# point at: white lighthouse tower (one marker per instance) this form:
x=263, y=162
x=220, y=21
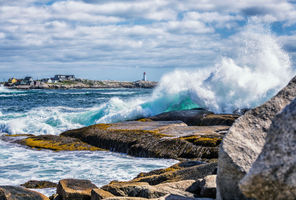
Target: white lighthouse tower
x=144, y=77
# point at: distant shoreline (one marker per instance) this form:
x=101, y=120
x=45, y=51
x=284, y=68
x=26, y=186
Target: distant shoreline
x=87, y=84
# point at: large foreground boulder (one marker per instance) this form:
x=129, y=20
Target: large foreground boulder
x=273, y=174
x=244, y=141
x=19, y=193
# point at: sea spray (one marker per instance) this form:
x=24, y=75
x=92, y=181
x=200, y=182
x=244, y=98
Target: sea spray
x=257, y=69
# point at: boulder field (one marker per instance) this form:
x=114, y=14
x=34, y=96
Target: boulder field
x=185, y=180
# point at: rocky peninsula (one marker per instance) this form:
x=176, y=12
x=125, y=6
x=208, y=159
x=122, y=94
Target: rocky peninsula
x=83, y=83
x=251, y=156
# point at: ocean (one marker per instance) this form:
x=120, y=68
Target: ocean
x=54, y=111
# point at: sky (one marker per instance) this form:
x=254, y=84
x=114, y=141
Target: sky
x=120, y=39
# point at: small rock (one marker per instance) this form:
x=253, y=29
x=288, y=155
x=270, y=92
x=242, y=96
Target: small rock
x=205, y=187
x=39, y=184
x=134, y=189
x=197, y=117
x=98, y=194
x=273, y=174
x=75, y=189
x=19, y=193
x=178, y=188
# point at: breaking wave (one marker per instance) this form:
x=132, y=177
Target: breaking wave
x=255, y=71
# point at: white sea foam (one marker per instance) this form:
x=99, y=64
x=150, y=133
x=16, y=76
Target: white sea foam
x=5, y=90
x=42, y=120
x=19, y=165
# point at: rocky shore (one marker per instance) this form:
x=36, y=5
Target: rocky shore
x=88, y=84
x=255, y=154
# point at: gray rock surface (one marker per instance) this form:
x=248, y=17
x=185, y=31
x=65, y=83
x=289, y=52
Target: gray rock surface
x=273, y=174
x=206, y=187
x=244, y=141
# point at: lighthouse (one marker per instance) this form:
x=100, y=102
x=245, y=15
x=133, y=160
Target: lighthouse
x=144, y=77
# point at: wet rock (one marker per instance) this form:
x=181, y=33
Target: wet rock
x=197, y=117
x=57, y=143
x=98, y=194
x=273, y=174
x=75, y=189
x=19, y=193
x=39, y=184
x=244, y=141
x=162, y=139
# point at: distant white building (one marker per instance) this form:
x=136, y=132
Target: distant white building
x=144, y=77
x=64, y=77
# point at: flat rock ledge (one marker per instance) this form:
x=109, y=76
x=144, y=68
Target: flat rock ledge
x=52, y=142
x=159, y=139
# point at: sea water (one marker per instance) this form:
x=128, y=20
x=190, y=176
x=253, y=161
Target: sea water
x=52, y=112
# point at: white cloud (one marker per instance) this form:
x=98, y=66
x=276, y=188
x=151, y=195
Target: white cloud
x=127, y=33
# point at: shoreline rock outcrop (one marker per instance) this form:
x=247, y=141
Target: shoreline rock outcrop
x=161, y=139
x=56, y=143
x=273, y=174
x=88, y=84
x=244, y=142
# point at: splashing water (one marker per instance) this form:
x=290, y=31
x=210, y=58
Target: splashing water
x=257, y=69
